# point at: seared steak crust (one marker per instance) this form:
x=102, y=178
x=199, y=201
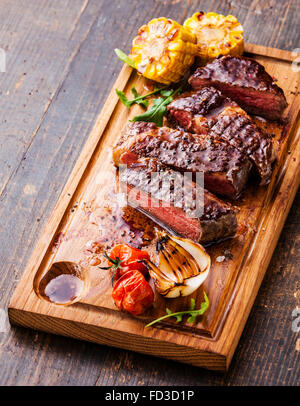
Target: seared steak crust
x=245, y=81
x=211, y=221
x=226, y=170
x=203, y=102
x=207, y=111
x=243, y=134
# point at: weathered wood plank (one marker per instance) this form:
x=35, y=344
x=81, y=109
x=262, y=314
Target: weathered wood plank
x=38, y=52
x=29, y=357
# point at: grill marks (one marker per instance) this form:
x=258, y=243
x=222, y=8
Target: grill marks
x=205, y=102
x=240, y=132
x=212, y=134
x=225, y=121
x=206, y=219
x=226, y=170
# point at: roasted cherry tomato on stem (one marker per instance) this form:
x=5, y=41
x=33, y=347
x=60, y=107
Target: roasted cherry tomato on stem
x=125, y=258
x=132, y=293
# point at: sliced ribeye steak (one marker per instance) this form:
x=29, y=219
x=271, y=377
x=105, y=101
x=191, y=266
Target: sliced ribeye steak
x=245, y=81
x=226, y=170
x=199, y=215
x=208, y=111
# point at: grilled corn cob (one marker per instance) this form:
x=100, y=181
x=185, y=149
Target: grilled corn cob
x=163, y=50
x=216, y=35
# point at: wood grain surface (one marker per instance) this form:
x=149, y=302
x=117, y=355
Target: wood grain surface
x=60, y=67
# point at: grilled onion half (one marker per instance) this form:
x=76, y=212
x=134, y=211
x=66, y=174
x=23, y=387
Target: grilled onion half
x=183, y=266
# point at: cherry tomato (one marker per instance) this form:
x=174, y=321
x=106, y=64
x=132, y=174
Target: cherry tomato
x=128, y=257
x=132, y=293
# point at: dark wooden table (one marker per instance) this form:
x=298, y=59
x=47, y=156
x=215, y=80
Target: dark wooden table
x=60, y=66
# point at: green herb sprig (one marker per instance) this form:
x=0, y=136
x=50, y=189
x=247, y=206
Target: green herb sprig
x=125, y=58
x=138, y=99
x=116, y=264
x=156, y=112
x=191, y=312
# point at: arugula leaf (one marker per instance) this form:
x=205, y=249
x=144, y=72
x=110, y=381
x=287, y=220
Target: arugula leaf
x=193, y=304
x=178, y=318
x=138, y=99
x=155, y=114
x=128, y=103
x=123, y=98
x=124, y=58
x=191, y=312
x=157, y=111
x=167, y=93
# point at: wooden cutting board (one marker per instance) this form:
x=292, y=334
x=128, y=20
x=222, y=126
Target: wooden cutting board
x=89, y=214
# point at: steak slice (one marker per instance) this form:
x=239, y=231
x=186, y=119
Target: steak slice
x=176, y=203
x=195, y=111
x=209, y=111
x=225, y=169
x=245, y=81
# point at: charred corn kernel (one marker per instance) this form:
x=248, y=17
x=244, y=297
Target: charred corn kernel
x=163, y=50
x=216, y=35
